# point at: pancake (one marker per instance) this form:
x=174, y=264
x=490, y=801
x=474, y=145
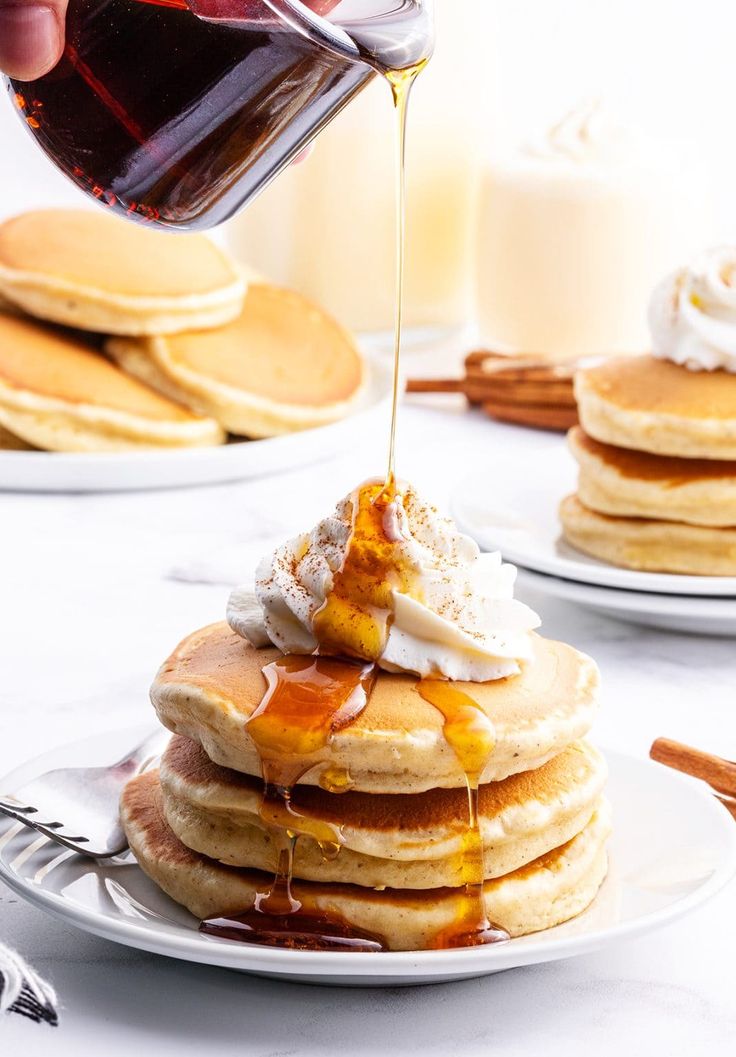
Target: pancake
x=629, y=483
x=213, y=682
x=657, y=406
x=9, y=442
x=544, y=893
x=282, y=365
x=650, y=546
x=94, y=271
x=58, y=393
x=401, y=841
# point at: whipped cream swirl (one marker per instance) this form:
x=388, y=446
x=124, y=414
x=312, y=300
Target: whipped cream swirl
x=586, y=135
x=692, y=315
x=457, y=619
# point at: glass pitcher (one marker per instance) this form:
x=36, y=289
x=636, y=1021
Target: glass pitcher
x=178, y=112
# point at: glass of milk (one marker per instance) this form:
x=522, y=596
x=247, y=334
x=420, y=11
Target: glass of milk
x=575, y=228
x=326, y=226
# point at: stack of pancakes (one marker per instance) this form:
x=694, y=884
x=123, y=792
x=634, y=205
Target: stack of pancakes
x=657, y=457
x=116, y=337
x=197, y=825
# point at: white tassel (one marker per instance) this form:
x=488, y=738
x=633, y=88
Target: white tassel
x=23, y=991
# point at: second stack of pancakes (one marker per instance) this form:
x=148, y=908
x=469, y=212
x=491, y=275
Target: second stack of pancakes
x=657, y=448
x=657, y=458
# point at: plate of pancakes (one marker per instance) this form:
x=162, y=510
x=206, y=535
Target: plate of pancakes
x=132, y=358
x=636, y=514
x=673, y=847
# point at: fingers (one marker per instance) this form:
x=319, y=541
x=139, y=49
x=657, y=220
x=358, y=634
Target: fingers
x=31, y=36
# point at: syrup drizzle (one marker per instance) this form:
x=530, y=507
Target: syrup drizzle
x=401, y=82
x=310, y=698
x=470, y=734
x=356, y=616
x=307, y=700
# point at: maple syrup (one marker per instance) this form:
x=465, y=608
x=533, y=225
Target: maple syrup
x=471, y=736
x=401, y=82
x=296, y=931
x=307, y=700
x=356, y=616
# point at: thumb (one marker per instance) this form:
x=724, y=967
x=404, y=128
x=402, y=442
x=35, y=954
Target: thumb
x=31, y=36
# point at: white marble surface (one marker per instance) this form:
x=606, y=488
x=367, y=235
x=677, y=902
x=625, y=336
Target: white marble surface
x=97, y=589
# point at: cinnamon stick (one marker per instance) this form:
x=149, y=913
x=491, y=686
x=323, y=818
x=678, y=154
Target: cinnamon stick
x=435, y=385
x=720, y=774
x=729, y=803
x=558, y=419
x=523, y=391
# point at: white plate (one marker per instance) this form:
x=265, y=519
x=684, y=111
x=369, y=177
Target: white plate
x=686, y=613
x=41, y=471
x=511, y=506
x=674, y=846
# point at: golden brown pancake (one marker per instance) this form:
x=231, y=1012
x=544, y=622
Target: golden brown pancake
x=656, y=406
x=213, y=682
x=58, y=393
x=400, y=841
x=627, y=483
x=282, y=365
x=545, y=892
x=94, y=271
x=9, y=442
x=651, y=546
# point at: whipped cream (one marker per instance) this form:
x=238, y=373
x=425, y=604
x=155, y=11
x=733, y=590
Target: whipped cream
x=692, y=314
x=453, y=614
x=588, y=135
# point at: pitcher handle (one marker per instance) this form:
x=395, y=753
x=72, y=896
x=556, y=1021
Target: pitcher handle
x=320, y=30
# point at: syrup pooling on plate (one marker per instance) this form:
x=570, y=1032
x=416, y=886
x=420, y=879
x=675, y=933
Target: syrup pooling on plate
x=280, y=917
x=470, y=734
x=301, y=931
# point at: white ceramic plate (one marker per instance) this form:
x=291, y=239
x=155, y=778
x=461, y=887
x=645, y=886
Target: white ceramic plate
x=686, y=613
x=674, y=846
x=511, y=506
x=41, y=471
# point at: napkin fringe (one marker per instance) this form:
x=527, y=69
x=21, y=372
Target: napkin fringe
x=23, y=991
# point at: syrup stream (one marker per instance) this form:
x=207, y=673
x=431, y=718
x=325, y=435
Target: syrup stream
x=401, y=82
x=308, y=699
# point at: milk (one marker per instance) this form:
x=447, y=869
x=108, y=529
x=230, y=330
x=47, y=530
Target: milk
x=326, y=226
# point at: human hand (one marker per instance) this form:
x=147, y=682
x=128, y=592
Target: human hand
x=31, y=36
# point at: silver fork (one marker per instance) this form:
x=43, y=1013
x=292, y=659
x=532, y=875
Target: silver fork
x=78, y=806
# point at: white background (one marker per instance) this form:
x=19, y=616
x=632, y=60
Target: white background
x=96, y=590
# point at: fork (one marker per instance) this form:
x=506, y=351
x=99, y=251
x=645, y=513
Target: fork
x=85, y=798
